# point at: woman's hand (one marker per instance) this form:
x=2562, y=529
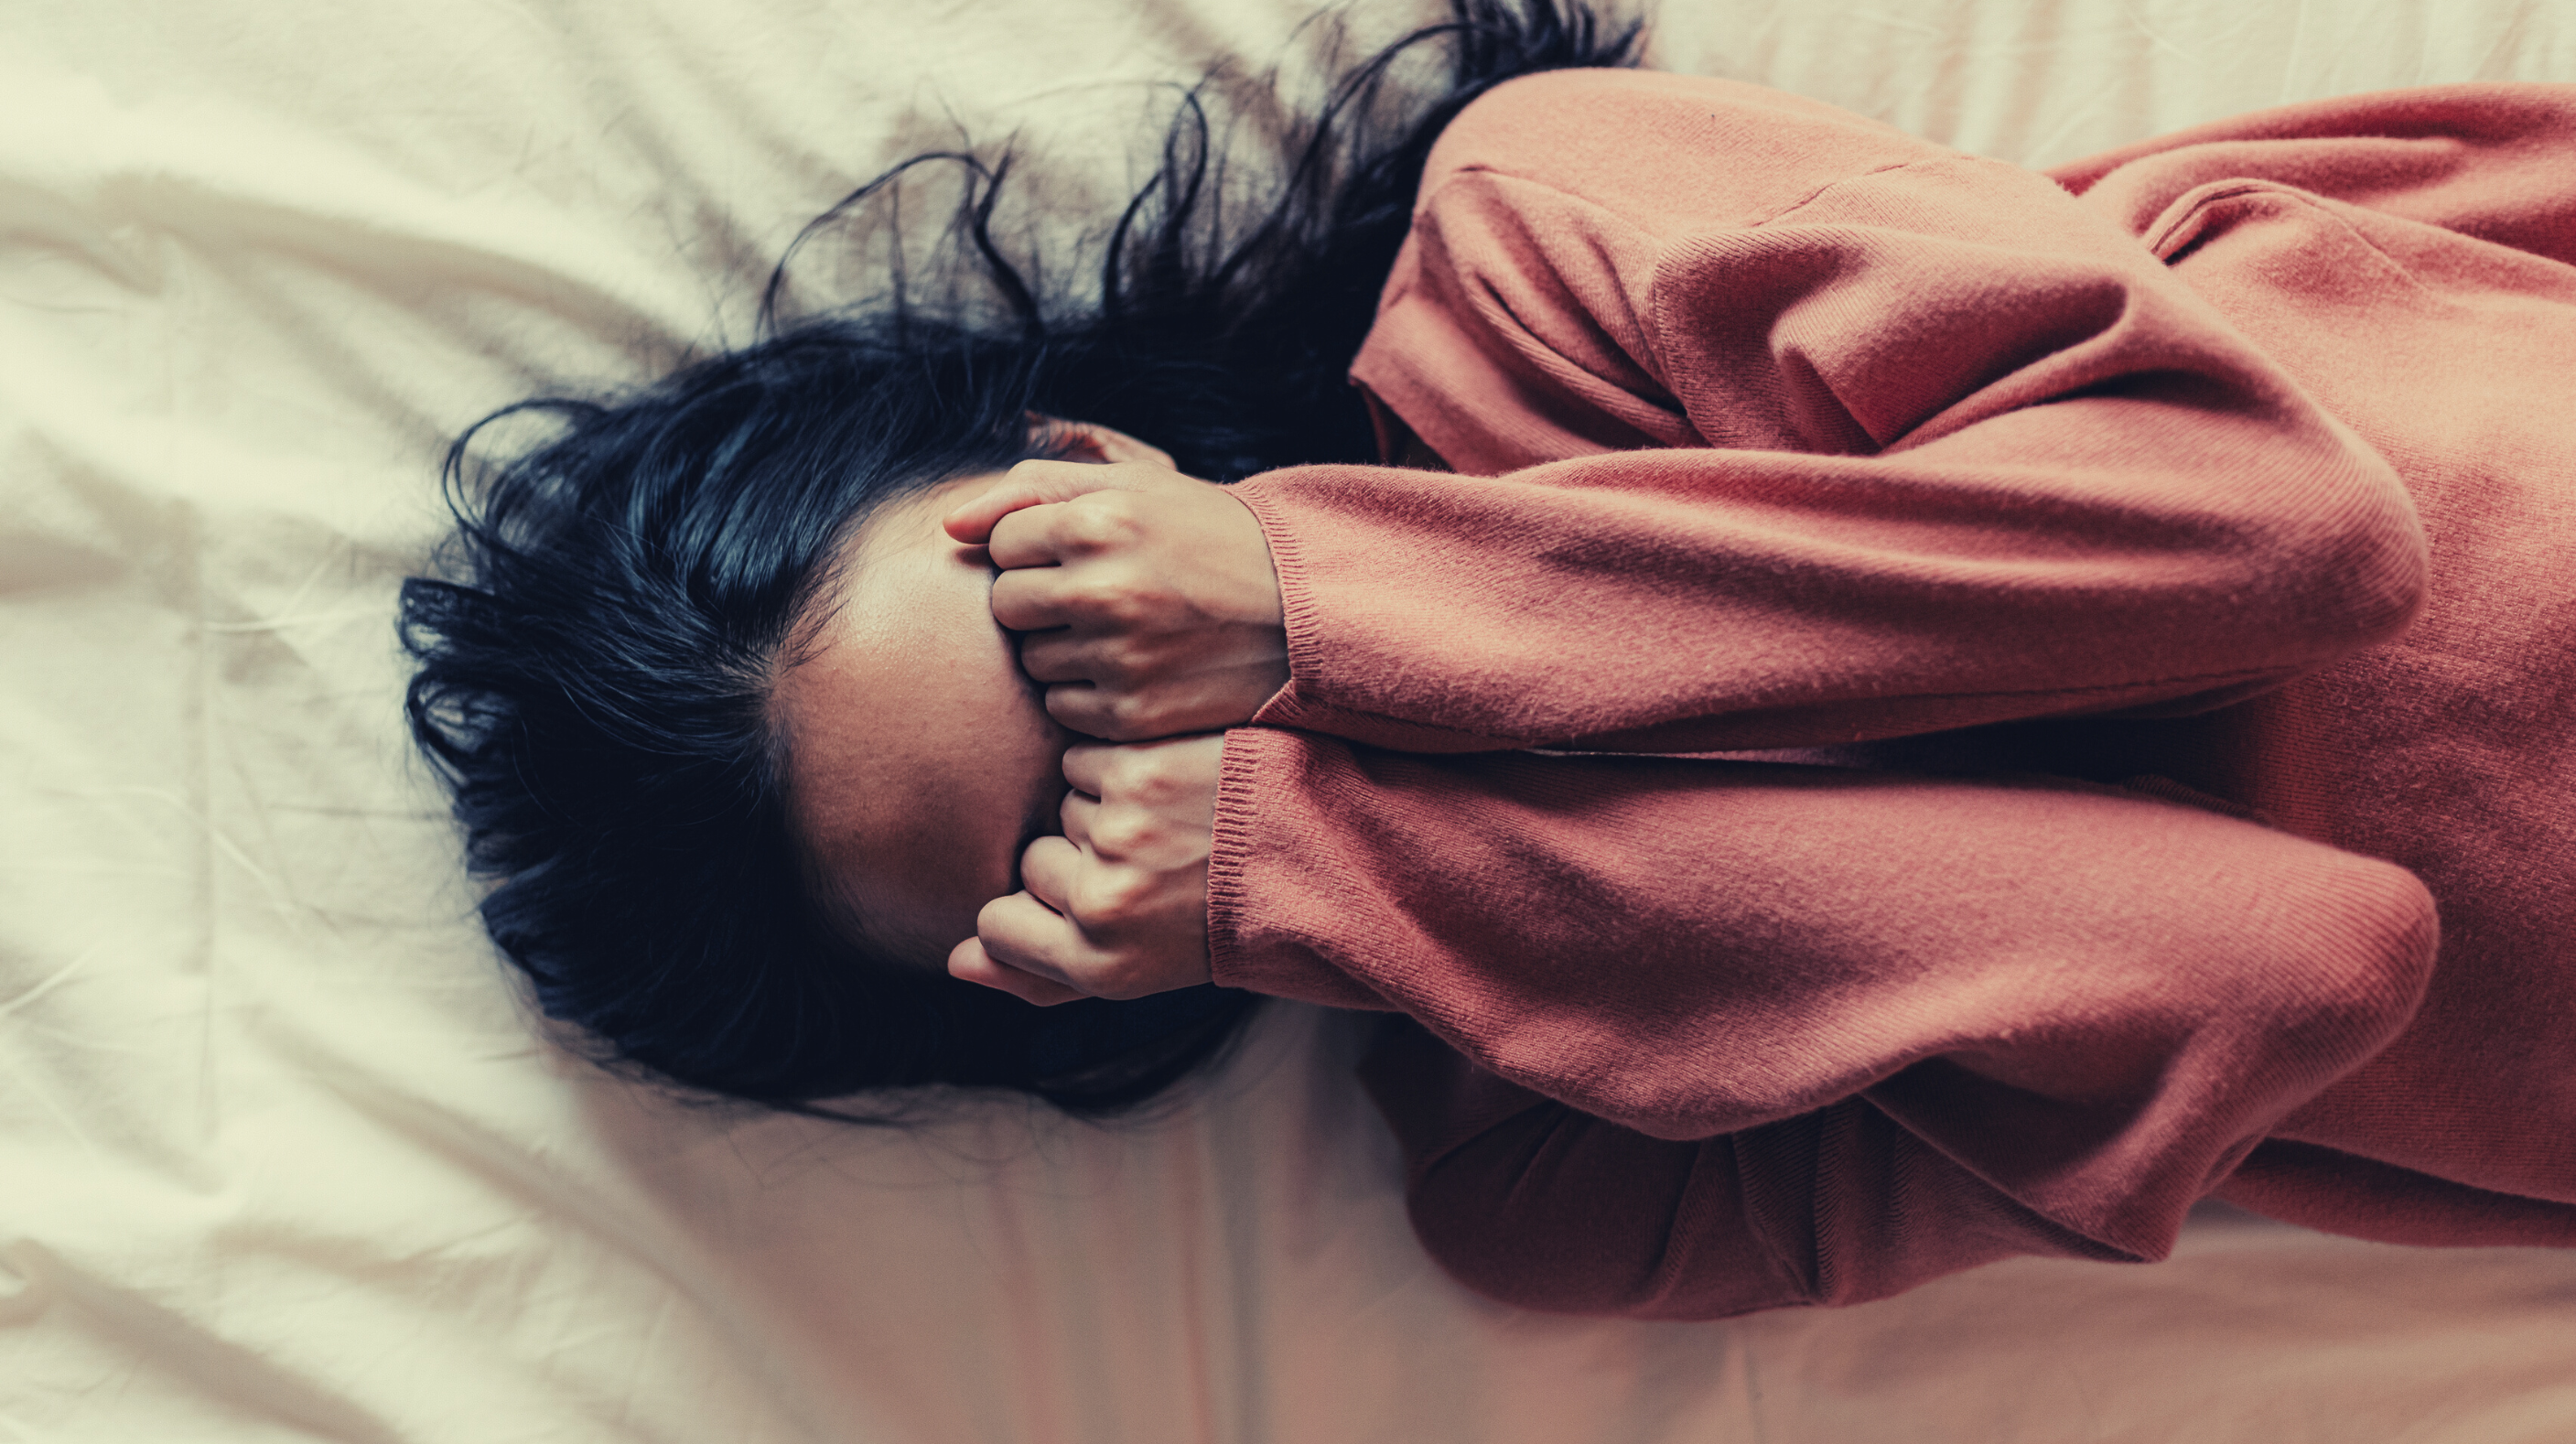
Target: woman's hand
x=1117, y=907
x=1145, y=599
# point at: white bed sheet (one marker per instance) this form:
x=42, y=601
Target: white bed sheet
x=280, y=1157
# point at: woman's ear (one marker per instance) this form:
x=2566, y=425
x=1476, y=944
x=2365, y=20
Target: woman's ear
x=1090, y=441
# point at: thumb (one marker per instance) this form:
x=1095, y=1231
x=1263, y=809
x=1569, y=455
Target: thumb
x=1031, y=483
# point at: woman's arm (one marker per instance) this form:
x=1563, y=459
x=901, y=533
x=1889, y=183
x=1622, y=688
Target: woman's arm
x=1700, y=1037
x=2088, y=1003
x=1781, y=429
x=1528, y=1201
x=1798, y=431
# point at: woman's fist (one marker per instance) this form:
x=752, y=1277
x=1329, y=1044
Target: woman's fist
x=1117, y=907
x=1146, y=600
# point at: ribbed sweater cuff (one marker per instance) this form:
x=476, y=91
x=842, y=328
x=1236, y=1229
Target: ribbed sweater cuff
x=1260, y=760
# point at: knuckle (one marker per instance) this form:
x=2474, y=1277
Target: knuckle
x=1076, y=707
x=1121, y=832
x=1129, y=771
x=1132, y=659
x=1135, y=606
x=1121, y=717
x=1092, y=914
x=1098, y=523
x=1157, y=791
x=1116, y=664
x=1116, y=598
x=1131, y=891
x=1112, y=899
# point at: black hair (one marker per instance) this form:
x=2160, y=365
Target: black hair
x=594, y=663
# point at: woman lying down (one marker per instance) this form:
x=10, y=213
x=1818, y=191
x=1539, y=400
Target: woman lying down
x=1858, y=710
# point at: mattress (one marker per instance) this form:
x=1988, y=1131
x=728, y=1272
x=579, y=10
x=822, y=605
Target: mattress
x=282, y=1154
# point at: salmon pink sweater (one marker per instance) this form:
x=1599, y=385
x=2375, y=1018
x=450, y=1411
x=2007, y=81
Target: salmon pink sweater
x=1937, y=709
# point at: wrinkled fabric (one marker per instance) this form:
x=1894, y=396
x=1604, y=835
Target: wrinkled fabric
x=2235, y=467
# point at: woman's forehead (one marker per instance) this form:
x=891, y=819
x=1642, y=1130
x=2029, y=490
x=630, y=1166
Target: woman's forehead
x=915, y=747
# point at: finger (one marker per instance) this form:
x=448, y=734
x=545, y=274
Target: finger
x=1153, y=711
x=1048, y=870
x=1156, y=774
x=1043, y=930
x=1031, y=483
x=1056, y=655
x=1104, y=519
x=969, y=962
x=1056, y=583
x=1026, y=537
x=1086, y=766
x=1024, y=933
x=1060, y=654
x=1030, y=600
x=1108, y=714
x=1079, y=814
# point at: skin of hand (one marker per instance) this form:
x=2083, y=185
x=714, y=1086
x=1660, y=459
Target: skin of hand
x=1117, y=906
x=1145, y=600
x=1147, y=605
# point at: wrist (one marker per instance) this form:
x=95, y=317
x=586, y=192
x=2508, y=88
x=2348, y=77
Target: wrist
x=1250, y=564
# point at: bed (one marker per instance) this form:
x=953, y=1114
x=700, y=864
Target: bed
x=282, y=1156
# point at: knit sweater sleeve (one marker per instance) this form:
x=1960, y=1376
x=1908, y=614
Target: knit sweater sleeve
x=1536, y=1204
x=1775, y=428
x=2061, y=1011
